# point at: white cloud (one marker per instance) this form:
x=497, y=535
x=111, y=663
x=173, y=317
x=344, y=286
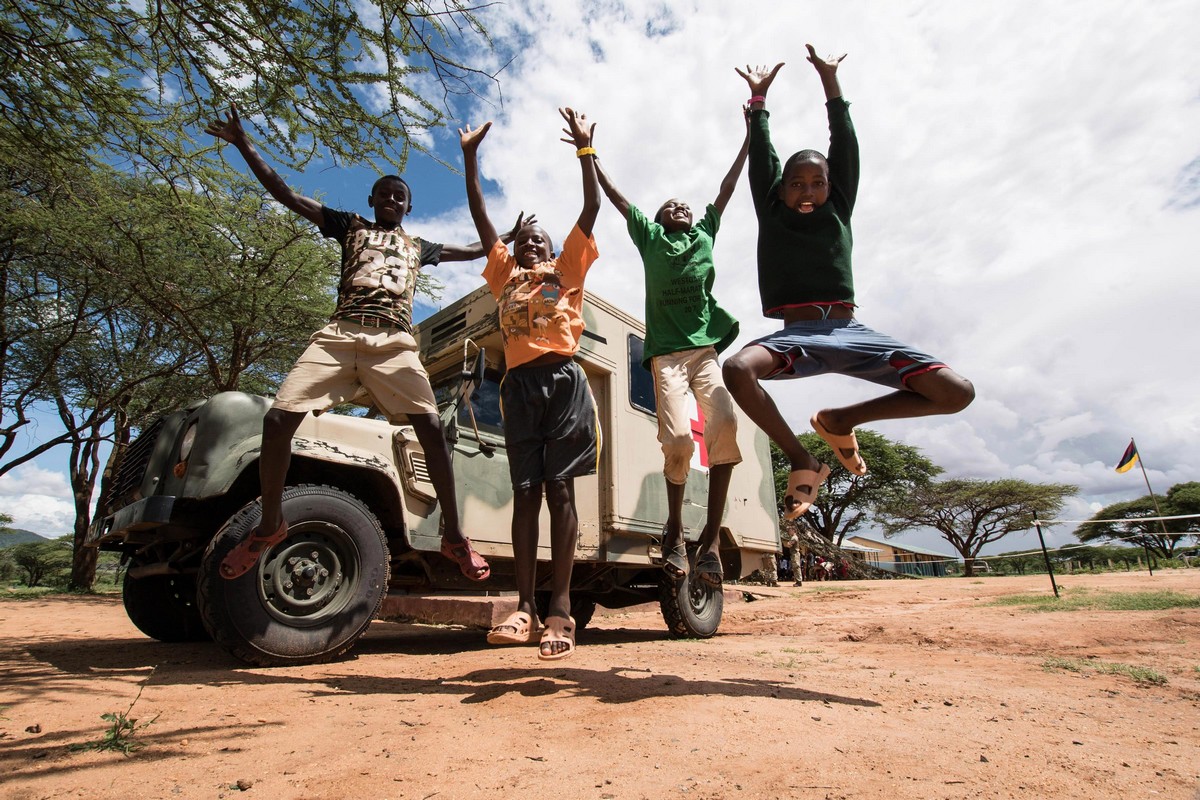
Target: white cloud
x=1013, y=218
x=38, y=500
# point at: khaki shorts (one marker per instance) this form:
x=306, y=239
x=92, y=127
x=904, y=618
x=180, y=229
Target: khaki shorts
x=699, y=371
x=344, y=358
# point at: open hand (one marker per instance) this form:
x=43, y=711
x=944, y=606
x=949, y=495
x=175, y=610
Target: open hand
x=577, y=131
x=759, y=78
x=228, y=129
x=470, y=139
x=827, y=66
x=521, y=222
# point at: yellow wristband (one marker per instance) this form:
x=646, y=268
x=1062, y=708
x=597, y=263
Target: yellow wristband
x=585, y=151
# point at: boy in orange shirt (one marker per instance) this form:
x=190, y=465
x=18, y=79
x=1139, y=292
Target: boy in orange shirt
x=551, y=430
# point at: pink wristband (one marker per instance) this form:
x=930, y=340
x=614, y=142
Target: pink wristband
x=758, y=98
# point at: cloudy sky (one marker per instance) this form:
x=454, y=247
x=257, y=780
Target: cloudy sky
x=1029, y=206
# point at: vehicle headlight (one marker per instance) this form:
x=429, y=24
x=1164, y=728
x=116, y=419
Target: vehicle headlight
x=185, y=444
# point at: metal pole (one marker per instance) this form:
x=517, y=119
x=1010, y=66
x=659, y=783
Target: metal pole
x=1046, y=556
x=1157, y=511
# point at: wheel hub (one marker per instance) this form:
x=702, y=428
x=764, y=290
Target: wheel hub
x=303, y=576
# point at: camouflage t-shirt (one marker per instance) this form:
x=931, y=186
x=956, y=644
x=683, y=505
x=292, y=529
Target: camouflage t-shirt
x=379, y=268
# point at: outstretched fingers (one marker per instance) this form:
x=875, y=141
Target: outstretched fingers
x=823, y=63
x=759, y=78
x=227, y=128
x=469, y=138
x=521, y=222
x=579, y=133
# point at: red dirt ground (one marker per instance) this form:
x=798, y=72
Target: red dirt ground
x=892, y=689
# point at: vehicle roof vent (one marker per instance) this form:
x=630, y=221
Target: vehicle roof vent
x=447, y=330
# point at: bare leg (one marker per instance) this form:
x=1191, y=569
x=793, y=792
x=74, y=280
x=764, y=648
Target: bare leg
x=742, y=373
x=275, y=456
x=674, y=513
x=527, y=504
x=437, y=458
x=564, y=534
x=718, y=491
x=942, y=391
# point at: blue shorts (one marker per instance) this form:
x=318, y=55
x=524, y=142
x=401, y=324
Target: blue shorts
x=551, y=427
x=844, y=347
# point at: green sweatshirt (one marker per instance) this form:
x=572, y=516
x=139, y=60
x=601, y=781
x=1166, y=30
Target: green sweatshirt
x=804, y=258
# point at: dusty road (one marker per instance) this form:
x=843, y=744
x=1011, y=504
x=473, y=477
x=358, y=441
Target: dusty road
x=898, y=689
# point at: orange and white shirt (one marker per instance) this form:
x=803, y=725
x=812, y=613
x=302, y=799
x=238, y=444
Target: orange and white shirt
x=541, y=308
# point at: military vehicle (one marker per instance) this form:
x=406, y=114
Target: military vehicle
x=364, y=520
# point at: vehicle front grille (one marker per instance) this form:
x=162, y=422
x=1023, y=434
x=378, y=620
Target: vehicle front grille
x=131, y=468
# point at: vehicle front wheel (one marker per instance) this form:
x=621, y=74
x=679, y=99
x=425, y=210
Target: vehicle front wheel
x=690, y=606
x=308, y=598
x=164, y=607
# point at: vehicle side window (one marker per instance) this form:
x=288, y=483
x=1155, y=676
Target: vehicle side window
x=641, y=382
x=486, y=403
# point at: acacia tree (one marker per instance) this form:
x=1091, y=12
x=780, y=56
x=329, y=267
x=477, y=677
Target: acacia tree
x=150, y=298
x=1133, y=521
x=123, y=295
x=971, y=513
x=847, y=500
x=125, y=82
x=40, y=562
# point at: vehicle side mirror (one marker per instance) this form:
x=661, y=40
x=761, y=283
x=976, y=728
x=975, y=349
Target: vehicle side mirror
x=472, y=378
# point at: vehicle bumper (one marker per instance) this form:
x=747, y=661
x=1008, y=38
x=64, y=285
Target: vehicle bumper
x=144, y=514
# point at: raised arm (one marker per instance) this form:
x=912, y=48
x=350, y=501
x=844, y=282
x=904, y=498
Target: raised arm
x=230, y=130
x=470, y=140
x=579, y=134
x=614, y=195
x=827, y=69
x=765, y=168
x=735, y=171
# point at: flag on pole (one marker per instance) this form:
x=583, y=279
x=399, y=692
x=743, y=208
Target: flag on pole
x=1129, y=459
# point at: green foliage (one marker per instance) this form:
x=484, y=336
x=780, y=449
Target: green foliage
x=846, y=500
x=971, y=513
x=1141, y=675
x=1127, y=521
x=118, y=736
x=39, y=563
x=127, y=82
x=1083, y=600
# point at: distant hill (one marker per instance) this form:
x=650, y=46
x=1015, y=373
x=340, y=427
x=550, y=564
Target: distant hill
x=11, y=536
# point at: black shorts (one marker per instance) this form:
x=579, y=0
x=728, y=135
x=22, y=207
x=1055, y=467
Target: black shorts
x=550, y=425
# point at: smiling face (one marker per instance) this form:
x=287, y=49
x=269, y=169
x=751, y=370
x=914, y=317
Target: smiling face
x=532, y=246
x=805, y=185
x=391, y=200
x=674, y=215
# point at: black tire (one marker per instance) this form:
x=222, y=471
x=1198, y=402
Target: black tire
x=583, y=607
x=308, y=598
x=690, y=606
x=164, y=607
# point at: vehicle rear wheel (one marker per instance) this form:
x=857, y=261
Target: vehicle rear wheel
x=690, y=606
x=308, y=598
x=164, y=607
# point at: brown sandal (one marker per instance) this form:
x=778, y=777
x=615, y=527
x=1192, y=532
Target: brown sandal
x=558, y=629
x=517, y=628
x=242, y=558
x=802, y=488
x=469, y=561
x=841, y=443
